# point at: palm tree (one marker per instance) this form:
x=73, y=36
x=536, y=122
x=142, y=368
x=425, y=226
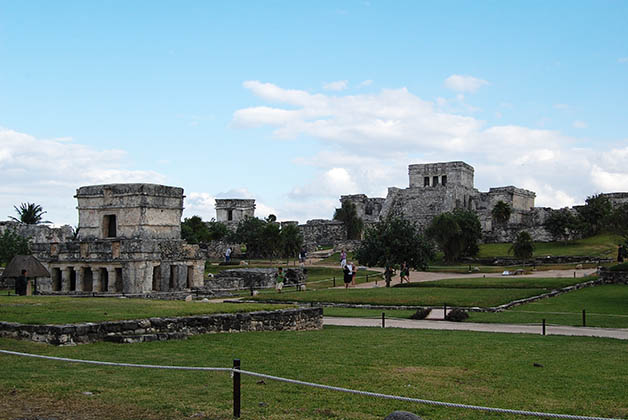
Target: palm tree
x=29, y=213
x=349, y=215
x=501, y=212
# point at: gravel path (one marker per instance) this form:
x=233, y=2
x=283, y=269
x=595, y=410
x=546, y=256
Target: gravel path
x=619, y=333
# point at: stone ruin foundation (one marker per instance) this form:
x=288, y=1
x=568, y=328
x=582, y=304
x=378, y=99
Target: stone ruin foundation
x=128, y=241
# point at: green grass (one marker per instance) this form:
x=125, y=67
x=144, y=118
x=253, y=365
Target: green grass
x=602, y=246
x=580, y=375
x=605, y=306
x=431, y=296
x=334, y=259
x=62, y=310
x=366, y=313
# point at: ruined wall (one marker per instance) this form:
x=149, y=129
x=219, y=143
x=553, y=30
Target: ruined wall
x=320, y=232
x=367, y=209
x=141, y=211
x=153, y=329
x=38, y=233
x=232, y=210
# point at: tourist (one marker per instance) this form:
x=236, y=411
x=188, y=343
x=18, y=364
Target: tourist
x=20, y=284
x=280, y=278
x=348, y=274
x=388, y=273
x=228, y=254
x=404, y=273
x=354, y=271
x=302, y=256
x=343, y=259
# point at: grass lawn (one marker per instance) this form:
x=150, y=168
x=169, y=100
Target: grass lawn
x=63, y=310
x=603, y=246
x=605, y=306
x=579, y=375
x=430, y=296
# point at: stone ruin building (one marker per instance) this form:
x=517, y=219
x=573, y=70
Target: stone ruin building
x=128, y=241
x=435, y=188
x=232, y=210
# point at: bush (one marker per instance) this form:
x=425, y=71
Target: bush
x=456, y=315
x=619, y=267
x=421, y=313
x=233, y=261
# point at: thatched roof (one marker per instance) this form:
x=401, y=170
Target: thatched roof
x=25, y=262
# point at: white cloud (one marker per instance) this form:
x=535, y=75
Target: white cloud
x=462, y=83
x=368, y=82
x=622, y=60
x=580, y=124
x=336, y=86
x=366, y=142
x=48, y=171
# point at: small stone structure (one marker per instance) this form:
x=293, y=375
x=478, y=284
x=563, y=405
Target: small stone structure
x=252, y=278
x=321, y=232
x=153, y=329
x=129, y=241
x=232, y=210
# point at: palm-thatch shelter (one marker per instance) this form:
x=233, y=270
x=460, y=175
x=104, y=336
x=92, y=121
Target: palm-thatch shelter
x=25, y=262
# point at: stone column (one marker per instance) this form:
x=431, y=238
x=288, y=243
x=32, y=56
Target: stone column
x=65, y=279
x=111, y=272
x=79, y=279
x=96, y=286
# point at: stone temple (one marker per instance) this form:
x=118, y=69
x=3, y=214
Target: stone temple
x=435, y=188
x=128, y=241
x=232, y=210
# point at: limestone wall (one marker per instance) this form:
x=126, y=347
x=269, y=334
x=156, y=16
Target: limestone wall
x=322, y=232
x=38, y=233
x=146, y=211
x=165, y=328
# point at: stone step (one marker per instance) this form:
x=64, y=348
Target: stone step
x=145, y=338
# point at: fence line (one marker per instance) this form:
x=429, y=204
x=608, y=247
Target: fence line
x=236, y=372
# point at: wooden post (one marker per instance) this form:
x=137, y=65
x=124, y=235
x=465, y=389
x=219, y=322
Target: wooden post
x=236, y=389
x=543, y=326
x=383, y=320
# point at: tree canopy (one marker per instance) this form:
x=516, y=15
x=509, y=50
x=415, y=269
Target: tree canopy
x=392, y=242
x=456, y=233
x=195, y=231
x=29, y=213
x=348, y=214
x=523, y=246
x=561, y=224
x=595, y=214
x=268, y=239
x=12, y=244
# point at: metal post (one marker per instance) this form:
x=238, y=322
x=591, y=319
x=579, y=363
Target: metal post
x=383, y=320
x=574, y=274
x=584, y=318
x=367, y=278
x=444, y=311
x=543, y=326
x=334, y=281
x=236, y=389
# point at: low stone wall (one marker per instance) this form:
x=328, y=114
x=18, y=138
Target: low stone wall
x=297, y=319
x=614, y=277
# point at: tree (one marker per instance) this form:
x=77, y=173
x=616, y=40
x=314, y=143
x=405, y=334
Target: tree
x=217, y=230
x=270, y=241
x=250, y=232
x=501, y=212
x=392, y=242
x=194, y=230
x=523, y=246
x=29, y=213
x=291, y=241
x=619, y=220
x=561, y=224
x=456, y=233
x=348, y=214
x=595, y=214
x=12, y=244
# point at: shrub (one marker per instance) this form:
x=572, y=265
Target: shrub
x=421, y=313
x=619, y=267
x=233, y=261
x=457, y=315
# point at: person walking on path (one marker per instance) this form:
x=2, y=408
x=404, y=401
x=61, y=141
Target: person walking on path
x=348, y=275
x=302, y=256
x=354, y=271
x=343, y=259
x=228, y=254
x=279, y=280
x=404, y=273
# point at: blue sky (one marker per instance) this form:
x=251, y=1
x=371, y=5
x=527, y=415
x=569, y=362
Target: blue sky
x=295, y=103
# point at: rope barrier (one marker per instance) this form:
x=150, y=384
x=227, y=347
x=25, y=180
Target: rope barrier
x=320, y=386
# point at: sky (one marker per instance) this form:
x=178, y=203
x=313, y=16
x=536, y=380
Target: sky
x=297, y=103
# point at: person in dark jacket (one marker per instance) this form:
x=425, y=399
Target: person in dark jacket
x=20, y=284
